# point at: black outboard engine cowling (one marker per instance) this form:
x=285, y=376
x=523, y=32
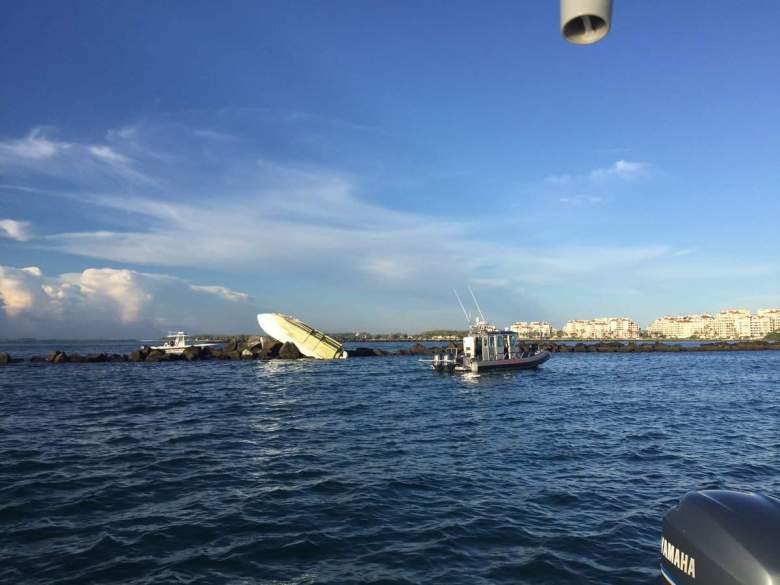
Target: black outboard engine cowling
x=722, y=538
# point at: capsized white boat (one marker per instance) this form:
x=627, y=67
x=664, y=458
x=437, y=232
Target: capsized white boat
x=310, y=342
x=178, y=342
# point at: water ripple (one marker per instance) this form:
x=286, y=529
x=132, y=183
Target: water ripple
x=371, y=471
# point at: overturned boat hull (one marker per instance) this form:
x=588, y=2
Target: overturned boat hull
x=309, y=341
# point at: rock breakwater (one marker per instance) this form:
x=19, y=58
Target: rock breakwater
x=257, y=348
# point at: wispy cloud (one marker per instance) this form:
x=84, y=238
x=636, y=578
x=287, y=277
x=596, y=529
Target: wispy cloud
x=16, y=230
x=277, y=217
x=580, y=200
x=35, y=146
x=108, y=154
x=75, y=162
x=621, y=169
x=228, y=207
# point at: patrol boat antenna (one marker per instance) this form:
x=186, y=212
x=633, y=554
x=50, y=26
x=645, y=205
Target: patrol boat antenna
x=481, y=314
x=465, y=312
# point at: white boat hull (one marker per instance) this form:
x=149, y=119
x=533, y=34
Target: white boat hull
x=513, y=363
x=447, y=363
x=181, y=349
x=309, y=341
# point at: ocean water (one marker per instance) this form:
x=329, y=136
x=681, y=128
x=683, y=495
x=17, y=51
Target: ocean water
x=372, y=470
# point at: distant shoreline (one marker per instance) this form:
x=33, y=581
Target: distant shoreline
x=239, y=349
x=411, y=339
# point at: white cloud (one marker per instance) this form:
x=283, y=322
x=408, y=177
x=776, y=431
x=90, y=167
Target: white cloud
x=622, y=169
x=74, y=162
x=35, y=146
x=221, y=291
x=108, y=154
x=580, y=200
x=310, y=226
x=559, y=179
x=317, y=236
x=111, y=302
x=16, y=230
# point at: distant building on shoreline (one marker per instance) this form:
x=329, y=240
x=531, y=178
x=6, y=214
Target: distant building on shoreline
x=683, y=326
x=773, y=315
x=727, y=324
x=533, y=329
x=602, y=328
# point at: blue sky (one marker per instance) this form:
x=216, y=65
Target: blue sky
x=187, y=164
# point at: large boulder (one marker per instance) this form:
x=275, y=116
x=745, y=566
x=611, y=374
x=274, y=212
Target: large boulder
x=254, y=343
x=289, y=351
x=4, y=358
x=192, y=354
x=247, y=354
x=361, y=352
x=140, y=354
x=254, y=348
x=57, y=357
x=157, y=355
x=419, y=349
x=270, y=350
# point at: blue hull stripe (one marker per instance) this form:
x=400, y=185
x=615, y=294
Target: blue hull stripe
x=667, y=577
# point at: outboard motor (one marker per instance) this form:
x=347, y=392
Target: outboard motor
x=717, y=537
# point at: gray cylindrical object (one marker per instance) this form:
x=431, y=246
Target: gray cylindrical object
x=584, y=22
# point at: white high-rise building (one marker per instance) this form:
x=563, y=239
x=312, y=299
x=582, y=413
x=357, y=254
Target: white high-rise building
x=602, y=328
x=533, y=329
x=774, y=317
x=725, y=322
x=728, y=324
x=622, y=328
x=752, y=326
x=683, y=326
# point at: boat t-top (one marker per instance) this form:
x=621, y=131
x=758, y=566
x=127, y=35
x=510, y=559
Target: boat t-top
x=178, y=341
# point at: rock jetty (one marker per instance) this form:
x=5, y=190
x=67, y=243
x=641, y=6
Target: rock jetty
x=257, y=348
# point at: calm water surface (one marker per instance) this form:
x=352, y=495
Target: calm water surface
x=369, y=470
